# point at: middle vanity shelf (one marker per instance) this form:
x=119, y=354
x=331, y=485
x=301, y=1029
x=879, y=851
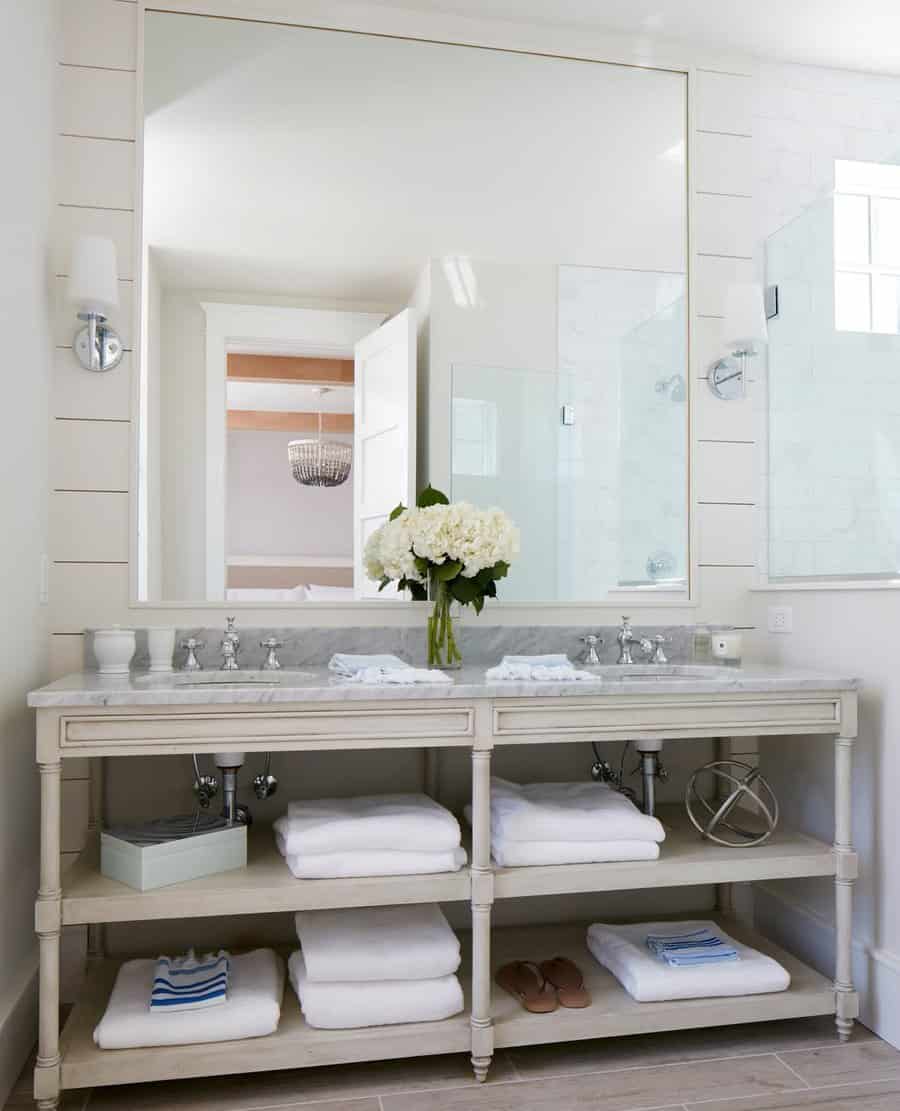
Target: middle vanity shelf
x=265, y=886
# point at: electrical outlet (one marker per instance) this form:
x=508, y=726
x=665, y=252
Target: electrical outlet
x=781, y=619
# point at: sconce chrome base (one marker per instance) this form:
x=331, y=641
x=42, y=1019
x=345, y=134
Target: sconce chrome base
x=97, y=346
x=727, y=378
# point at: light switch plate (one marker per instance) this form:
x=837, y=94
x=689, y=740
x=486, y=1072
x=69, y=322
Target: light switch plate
x=781, y=619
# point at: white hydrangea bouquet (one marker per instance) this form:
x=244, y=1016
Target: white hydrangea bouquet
x=448, y=553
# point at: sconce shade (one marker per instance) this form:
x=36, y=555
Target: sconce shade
x=745, y=316
x=93, y=276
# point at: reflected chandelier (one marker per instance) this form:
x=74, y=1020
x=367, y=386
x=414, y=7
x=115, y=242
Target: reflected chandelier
x=320, y=462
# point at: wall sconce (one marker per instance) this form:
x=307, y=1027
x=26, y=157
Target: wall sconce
x=94, y=291
x=744, y=327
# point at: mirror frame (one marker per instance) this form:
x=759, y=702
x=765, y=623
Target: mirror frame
x=485, y=34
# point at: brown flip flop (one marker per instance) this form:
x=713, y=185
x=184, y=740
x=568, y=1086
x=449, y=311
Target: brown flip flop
x=566, y=977
x=527, y=983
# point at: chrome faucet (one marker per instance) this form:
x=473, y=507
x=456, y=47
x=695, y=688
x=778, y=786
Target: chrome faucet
x=626, y=639
x=590, y=656
x=231, y=643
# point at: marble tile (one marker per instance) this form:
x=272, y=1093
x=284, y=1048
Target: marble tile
x=880, y=1096
x=299, y=1087
x=875, y=1060
x=680, y=1045
x=626, y=1090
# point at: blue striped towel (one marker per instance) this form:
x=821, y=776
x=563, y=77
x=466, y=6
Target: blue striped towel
x=190, y=983
x=691, y=948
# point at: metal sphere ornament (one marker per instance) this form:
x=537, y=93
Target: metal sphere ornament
x=733, y=784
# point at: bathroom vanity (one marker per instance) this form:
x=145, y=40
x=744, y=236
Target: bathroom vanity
x=97, y=717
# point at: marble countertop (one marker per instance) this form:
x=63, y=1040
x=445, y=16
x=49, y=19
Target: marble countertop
x=87, y=689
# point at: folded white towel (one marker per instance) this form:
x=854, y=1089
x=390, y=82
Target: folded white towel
x=346, y=663
x=380, y=862
x=536, y=673
x=518, y=854
x=252, y=1010
x=348, y=1006
x=623, y=950
x=367, y=823
x=412, y=942
x=567, y=812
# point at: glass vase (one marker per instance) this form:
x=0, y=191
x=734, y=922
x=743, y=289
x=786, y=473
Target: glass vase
x=443, y=651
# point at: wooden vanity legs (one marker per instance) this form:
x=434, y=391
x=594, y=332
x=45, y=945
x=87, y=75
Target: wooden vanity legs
x=846, y=1000
x=96, y=931
x=48, y=923
x=482, y=901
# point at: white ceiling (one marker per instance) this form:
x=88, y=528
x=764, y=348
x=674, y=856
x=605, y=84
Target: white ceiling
x=863, y=34
x=288, y=397
x=332, y=167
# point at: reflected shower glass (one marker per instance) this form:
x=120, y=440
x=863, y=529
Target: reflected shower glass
x=590, y=456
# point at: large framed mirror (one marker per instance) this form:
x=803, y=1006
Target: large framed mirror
x=370, y=263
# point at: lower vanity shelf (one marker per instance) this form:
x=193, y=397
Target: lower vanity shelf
x=296, y=1045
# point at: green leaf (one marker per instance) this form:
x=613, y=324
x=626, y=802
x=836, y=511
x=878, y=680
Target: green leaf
x=430, y=496
x=490, y=589
x=384, y=581
x=478, y=603
x=422, y=564
x=417, y=590
x=500, y=570
x=447, y=570
x=465, y=590
x=395, y=513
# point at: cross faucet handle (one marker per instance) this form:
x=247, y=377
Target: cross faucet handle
x=589, y=656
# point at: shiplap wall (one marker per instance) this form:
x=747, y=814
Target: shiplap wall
x=91, y=414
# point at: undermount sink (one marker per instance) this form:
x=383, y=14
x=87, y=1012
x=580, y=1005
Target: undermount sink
x=664, y=672
x=227, y=678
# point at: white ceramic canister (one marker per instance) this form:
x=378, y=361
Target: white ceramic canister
x=114, y=649
x=161, y=645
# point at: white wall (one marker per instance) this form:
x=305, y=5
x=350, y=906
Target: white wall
x=805, y=119
x=269, y=513
x=26, y=124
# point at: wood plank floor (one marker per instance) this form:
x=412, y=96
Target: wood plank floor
x=778, y=1066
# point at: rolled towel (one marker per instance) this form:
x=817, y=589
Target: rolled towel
x=518, y=854
x=536, y=673
x=567, y=812
x=189, y=983
x=361, y=944
x=381, y=862
x=346, y=663
x=366, y=823
x=348, y=1006
x=252, y=1009
x=623, y=950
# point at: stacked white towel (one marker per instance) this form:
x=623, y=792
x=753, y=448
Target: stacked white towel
x=376, y=966
x=623, y=950
x=371, y=835
x=568, y=823
x=536, y=669
x=381, y=670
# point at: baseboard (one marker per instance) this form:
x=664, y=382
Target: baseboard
x=811, y=935
x=18, y=1025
